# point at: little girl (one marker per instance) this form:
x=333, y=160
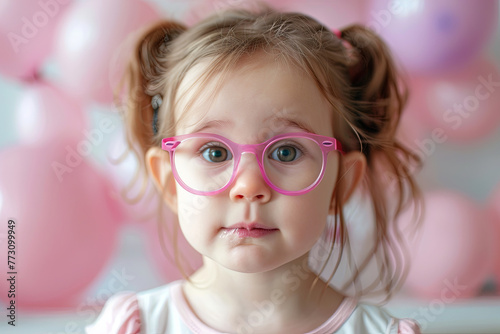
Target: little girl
x=256, y=126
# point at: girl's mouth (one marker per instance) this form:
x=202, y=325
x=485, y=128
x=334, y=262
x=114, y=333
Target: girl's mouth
x=249, y=230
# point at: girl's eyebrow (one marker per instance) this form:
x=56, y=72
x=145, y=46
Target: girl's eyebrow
x=213, y=124
x=286, y=122
x=290, y=122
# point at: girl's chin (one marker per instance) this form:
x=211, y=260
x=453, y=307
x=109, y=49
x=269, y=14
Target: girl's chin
x=256, y=265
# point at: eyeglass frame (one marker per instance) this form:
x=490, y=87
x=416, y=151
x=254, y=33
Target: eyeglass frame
x=326, y=144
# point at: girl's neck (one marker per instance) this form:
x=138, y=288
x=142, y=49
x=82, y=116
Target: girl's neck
x=267, y=302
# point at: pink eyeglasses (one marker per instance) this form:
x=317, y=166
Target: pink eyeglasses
x=292, y=163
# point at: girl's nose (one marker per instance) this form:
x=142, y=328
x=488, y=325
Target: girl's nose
x=249, y=183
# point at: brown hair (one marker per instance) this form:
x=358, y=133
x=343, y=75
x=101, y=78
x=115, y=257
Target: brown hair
x=355, y=73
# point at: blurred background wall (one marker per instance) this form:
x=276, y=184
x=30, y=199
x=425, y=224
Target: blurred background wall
x=79, y=241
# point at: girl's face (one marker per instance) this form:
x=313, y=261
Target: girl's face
x=256, y=101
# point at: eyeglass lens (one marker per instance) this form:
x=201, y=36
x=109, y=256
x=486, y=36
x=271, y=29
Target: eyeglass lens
x=207, y=164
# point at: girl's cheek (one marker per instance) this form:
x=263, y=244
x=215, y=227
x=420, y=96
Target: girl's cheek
x=192, y=207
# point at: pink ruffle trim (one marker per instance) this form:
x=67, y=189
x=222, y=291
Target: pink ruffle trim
x=408, y=326
x=120, y=315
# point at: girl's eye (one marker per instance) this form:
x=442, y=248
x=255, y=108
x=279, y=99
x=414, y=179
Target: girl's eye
x=286, y=153
x=216, y=154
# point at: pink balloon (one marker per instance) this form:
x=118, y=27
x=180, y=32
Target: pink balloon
x=452, y=257
x=430, y=36
x=201, y=9
x=412, y=130
x=65, y=224
x=494, y=215
x=335, y=14
x=191, y=260
x=122, y=167
x=88, y=38
x=44, y=112
x=332, y=13
x=26, y=34
x=462, y=105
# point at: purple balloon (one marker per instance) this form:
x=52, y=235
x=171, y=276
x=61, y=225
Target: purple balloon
x=462, y=105
x=434, y=35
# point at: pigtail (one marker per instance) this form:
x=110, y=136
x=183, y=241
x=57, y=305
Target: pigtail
x=137, y=95
x=144, y=78
x=378, y=96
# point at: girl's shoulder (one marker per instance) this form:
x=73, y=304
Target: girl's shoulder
x=131, y=313
x=120, y=315
x=367, y=318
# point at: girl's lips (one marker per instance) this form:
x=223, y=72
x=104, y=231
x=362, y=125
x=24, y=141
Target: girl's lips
x=249, y=230
x=250, y=226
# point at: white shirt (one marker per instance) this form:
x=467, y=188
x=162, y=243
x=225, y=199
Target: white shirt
x=164, y=310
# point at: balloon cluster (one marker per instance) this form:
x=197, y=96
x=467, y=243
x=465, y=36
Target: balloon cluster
x=453, y=97
x=67, y=211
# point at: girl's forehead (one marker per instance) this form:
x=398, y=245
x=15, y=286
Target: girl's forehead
x=257, y=90
x=191, y=92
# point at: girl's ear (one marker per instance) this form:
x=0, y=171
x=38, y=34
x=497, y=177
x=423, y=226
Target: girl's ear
x=158, y=164
x=352, y=169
